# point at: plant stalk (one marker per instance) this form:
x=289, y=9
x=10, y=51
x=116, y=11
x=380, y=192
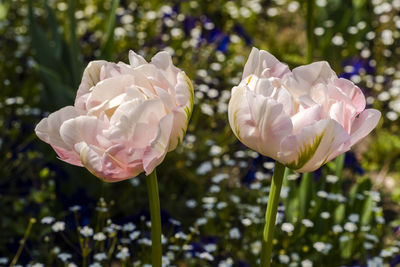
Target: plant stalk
x=23, y=241
x=152, y=190
x=270, y=215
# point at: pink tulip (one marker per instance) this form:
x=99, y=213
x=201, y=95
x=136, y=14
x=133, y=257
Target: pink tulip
x=302, y=118
x=125, y=117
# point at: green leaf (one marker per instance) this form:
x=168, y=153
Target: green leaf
x=108, y=42
x=75, y=66
x=305, y=193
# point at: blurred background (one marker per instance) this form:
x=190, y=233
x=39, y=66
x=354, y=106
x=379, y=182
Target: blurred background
x=213, y=190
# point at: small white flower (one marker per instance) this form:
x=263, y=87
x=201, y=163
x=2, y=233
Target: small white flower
x=375, y=262
x=368, y=245
x=385, y=253
x=145, y=241
x=210, y=247
x=325, y=215
x=100, y=256
x=337, y=228
x=47, y=220
x=255, y=247
x=215, y=189
x=350, y=227
x=206, y=256
x=38, y=265
x=165, y=261
x=287, y=227
x=75, y=208
x=322, y=194
x=307, y=223
x=319, y=246
x=354, y=217
x=175, y=222
x=181, y=235
x=86, y=231
x=95, y=264
x=372, y=238
x=58, y=226
x=221, y=205
x=226, y=263
x=191, y=203
x=246, y=222
x=332, y=179
x=71, y=264
x=201, y=221
x=64, y=256
x=284, y=259
x=234, y=233
x=99, y=236
x=123, y=254
x=306, y=263
x=3, y=260
x=187, y=247
x=128, y=227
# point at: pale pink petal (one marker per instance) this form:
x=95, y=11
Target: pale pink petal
x=258, y=122
x=91, y=158
x=184, y=91
x=128, y=115
x=364, y=124
x=352, y=92
x=179, y=128
x=108, y=89
x=163, y=62
x=286, y=99
x=68, y=156
x=306, y=117
x=314, y=145
x=91, y=76
x=136, y=60
x=158, y=148
x=81, y=129
x=262, y=63
x=48, y=129
x=303, y=78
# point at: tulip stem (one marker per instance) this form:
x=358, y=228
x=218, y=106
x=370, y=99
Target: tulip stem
x=270, y=215
x=152, y=189
x=310, y=31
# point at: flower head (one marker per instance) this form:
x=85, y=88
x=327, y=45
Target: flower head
x=301, y=118
x=125, y=117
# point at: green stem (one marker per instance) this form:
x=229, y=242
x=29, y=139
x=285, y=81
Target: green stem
x=305, y=193
x=270, y=215
x=339, y=165
x=152, y=189
x=23, y=241
x=310, y=30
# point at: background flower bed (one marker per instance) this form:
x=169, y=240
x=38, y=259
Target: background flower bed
x=213, y=191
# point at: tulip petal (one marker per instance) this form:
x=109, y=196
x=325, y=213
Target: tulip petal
x=314, y=146
x=306, y=117
x=364, y=124
x=155, y=153
x=48, y=129
x=136, y=60
x=91, y=76
x=350, y=91
x=81, y=129
x=302, y=78
x=259, y=60
x=101, y=92
x=259, y=122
